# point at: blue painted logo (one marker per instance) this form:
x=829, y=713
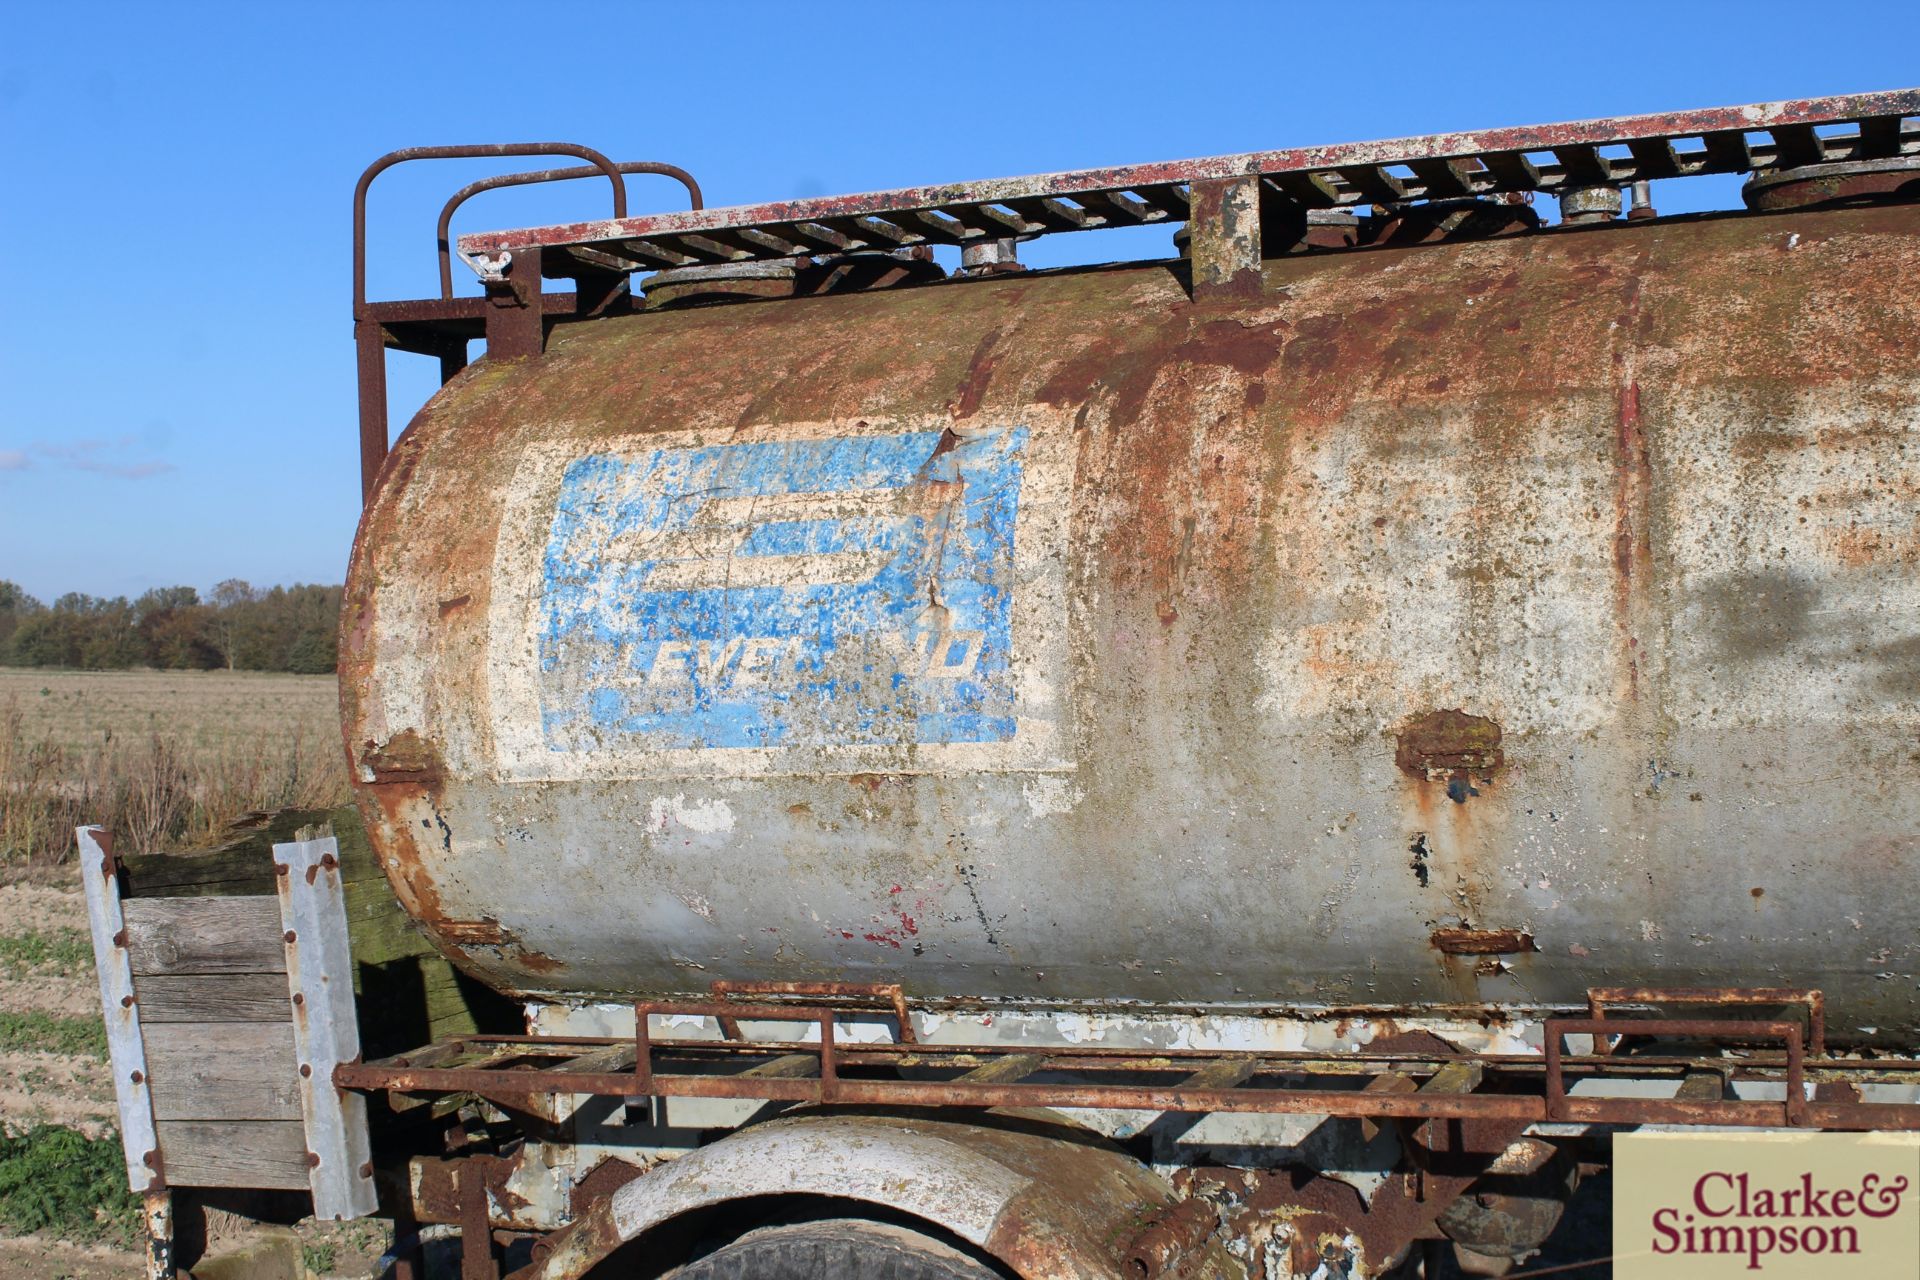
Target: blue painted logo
x=854, y=590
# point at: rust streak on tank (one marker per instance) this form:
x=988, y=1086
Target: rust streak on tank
x=1481, y=942
x=1631, y=549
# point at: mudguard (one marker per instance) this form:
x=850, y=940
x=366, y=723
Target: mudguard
x=1045, y=1198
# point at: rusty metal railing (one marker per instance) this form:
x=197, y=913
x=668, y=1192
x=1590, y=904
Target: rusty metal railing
x=1600, y=999
x=1791, y=1111
x=1570, y=160
x=849, y=994
x=472, y=189
x=1524, y=1088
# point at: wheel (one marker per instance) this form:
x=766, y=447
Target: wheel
x=835, y=1249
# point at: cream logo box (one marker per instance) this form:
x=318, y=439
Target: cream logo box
x=1707, y=1206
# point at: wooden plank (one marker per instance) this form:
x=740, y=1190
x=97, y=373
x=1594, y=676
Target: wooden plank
x=382, y=930
x=1005, y=1069
x=320, y=972
x=1228, y=1073
x=433, y=1055
x=618, y=1057
x=1455, y=1077
x=235, y=1153
x=223, y=1071
x=1391, y=1082
x=242, y=864
x=787, y=1066
x=1702, y=1086
x=447, y=1053
x=126, y=1041
x=212, y=997
x=410, y=993
x=205, y=935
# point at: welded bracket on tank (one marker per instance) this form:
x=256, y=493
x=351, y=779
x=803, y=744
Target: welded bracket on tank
x=888, y=994
x=1225, y=227
x=326, y=1032
x=515, y=320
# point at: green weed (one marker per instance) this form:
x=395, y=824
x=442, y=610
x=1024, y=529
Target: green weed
x=37, y=1032
x=59, y=1181
x=68, y=952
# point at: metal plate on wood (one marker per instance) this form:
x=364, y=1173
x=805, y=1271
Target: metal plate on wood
x=319, y=965
x=126, y=1050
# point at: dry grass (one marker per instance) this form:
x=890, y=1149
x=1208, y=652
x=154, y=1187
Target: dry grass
x=163, y=759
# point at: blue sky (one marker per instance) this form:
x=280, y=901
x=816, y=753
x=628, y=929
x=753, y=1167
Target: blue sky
x=176, y=366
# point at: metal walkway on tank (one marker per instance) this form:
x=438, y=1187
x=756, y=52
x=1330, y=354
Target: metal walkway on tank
x=1223, y=201
x=1552, y=159
x=1819, y=1091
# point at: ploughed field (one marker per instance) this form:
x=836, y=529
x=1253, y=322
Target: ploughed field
x=164, y=759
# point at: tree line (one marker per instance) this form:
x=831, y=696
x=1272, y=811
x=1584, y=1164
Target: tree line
x=237, y=626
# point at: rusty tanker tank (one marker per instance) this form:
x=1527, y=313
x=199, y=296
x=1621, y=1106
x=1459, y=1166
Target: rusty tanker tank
x=1426, y=628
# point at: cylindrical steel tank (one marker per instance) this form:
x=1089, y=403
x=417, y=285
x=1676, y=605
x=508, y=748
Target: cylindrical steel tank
x=1448, y=625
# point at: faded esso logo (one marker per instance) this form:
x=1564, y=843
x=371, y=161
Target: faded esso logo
x=935, y=655
x=810, y=592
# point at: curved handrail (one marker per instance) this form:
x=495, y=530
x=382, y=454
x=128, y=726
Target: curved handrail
x=472, y=189
x=479, y=151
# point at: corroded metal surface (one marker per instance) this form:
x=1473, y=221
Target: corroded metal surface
x=313, y=915
x=1585, y=157
x=1408, y=1085
x=460, y=197
x=1048, y=1200
x=120, y=1011
x=1639, y=498
x=1821, y=184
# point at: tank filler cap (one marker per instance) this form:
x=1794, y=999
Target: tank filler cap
x=1851, y=182
x=991, y=257
x=1582, y=206
x=719, y=282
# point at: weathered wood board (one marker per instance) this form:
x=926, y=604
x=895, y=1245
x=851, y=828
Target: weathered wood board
x=223, y=1071
x=204, y=935
x=211, y=997
x=235, y=1153
x=407, y=993
x=210, y=950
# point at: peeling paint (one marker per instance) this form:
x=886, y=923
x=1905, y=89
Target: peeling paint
x=1649, y=498
x=708, y=817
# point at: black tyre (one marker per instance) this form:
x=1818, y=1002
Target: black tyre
x=835, y=1249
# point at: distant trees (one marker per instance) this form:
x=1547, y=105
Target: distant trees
x=241, y=628
x=15, y=607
